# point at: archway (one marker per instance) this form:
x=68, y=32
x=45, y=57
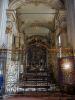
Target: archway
x=33, y=18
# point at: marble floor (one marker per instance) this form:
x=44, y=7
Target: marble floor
x=40, y=98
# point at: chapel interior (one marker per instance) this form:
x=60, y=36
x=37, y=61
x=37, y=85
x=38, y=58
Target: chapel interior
x=37, y=47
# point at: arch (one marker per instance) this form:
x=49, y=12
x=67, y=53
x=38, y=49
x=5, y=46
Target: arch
x=17, y=3
x=48, y=26
x=39, y=43
x=39, y=24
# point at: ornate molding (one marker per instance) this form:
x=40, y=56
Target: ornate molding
x=11, y=18
x=9, y=27
x=14, y=4
x=11, y=15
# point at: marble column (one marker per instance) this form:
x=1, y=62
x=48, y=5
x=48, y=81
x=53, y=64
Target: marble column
x=68, y=74
x=11, y=66
x=3, y=37
x=70, y=6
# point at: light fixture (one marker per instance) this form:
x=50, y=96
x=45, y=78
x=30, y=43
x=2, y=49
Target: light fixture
x=67, y=66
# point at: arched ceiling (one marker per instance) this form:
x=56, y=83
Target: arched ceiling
x=31, y=15
x=35, y=16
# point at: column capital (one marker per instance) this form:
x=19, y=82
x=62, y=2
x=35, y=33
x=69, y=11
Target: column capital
x=11, y=18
